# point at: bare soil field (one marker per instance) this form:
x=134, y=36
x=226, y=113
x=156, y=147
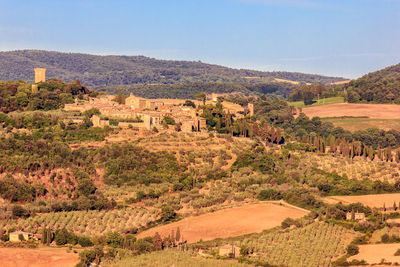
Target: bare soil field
x=229, y=222
x=374, y=111
x=373, y=201
x=373, y=254
x=42, y=257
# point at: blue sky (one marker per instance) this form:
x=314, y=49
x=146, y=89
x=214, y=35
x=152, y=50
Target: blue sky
x=334, y=37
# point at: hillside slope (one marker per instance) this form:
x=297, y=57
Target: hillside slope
x=382, y=86
x=95, y=70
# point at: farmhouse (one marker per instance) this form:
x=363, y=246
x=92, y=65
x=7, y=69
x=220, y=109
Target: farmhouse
x=20, y=236
x=229, y=250
x=358, y=216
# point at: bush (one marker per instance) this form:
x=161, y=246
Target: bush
x=20, y=212
x=352, y=249
x=167, y=213
x=85, y=241
x=114, y=239
x=385, y=238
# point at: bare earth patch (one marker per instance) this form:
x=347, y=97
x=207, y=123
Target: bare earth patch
x=372, y=201
x=375, y=111
x=16, y=257
x=229, y=222
x=375, y=253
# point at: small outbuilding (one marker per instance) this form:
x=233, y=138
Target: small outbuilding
x=20, y=236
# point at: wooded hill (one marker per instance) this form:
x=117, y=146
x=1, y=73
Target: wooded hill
x=94, y=71
x=382, y=86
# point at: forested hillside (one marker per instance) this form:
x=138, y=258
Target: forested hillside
x=382, y=86
x=189, y=90
x=95, y=70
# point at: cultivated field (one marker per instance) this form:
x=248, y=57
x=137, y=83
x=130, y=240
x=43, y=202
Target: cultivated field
x=354, y=124
x=357, y=168
x=373, y=254
x=43, y=257
x=317, y=244
x=229, y=222
x=168, y=258
x=87, y=222
x=373, y=111
x=373, y=201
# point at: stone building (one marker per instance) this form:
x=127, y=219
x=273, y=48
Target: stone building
x=40, y=75
x=20, y=236
x=358, y=216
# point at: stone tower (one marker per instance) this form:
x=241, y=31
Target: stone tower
x=250, y=106
x=40, y=75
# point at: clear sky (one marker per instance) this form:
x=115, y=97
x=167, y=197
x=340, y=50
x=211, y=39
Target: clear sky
x=334, y=37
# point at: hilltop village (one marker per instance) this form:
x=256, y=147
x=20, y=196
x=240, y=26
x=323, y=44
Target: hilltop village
x=145, y=113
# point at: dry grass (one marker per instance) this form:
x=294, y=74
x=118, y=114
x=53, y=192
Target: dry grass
x=373, y=201
x=374, y=254
x=354, y=124
x=373, y=111
x=43, y=257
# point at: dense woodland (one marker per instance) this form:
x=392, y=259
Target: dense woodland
x=50, y=95
x=382, y=86
x=189, y=90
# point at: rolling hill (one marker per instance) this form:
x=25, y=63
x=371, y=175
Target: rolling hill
x=128, y=73
x=382, y=86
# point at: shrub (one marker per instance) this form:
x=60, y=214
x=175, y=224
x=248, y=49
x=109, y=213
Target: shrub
x=114, y=239
x=20, y=212
x=167, y=213
x=352, y=249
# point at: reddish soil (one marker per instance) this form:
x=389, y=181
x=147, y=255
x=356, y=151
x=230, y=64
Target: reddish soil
x=373, y=201
x=375, y=253
x=377, y=111
x=229, y=222
x=16, y=257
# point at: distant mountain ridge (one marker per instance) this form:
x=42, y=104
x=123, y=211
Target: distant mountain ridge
x=94, y=70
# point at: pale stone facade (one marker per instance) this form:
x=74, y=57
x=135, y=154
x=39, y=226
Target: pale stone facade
x=40, y=75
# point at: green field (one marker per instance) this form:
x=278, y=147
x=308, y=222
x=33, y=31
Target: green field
x=320, y=102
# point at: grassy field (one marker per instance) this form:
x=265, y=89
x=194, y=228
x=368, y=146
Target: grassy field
x=321, y=102
x=354, y=124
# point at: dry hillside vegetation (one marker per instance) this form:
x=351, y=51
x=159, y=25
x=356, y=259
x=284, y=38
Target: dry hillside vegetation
x=230, y=222
x=356, y=168
x=197, y=149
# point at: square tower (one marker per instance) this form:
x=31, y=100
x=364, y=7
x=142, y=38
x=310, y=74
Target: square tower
x=40, y=75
